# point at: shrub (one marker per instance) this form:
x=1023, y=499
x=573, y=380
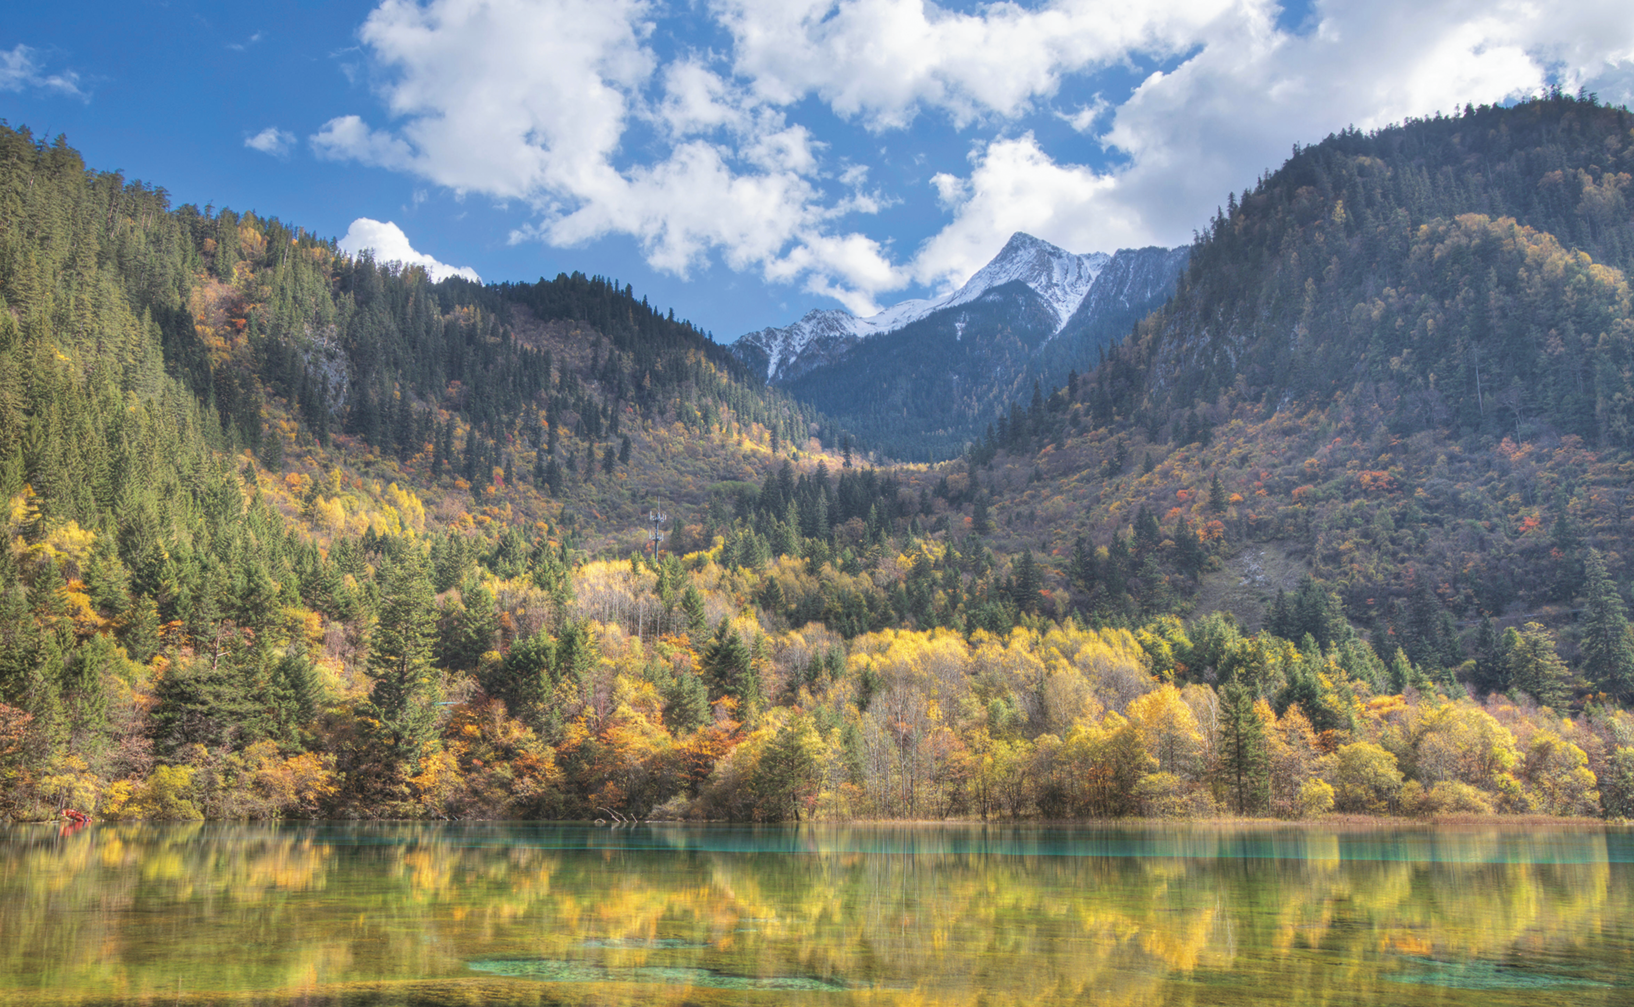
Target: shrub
x=1446, y=797
x=1315, y=798
x=1165, y=795
x=1365, y=778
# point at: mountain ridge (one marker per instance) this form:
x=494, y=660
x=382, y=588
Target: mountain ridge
x=823, y=336
x=1035, y=314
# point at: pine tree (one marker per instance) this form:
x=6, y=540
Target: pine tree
x=406, y=688
x=1245, y=765
x=1028, y=583
x=470, y=629
x=1608, y=656
x=1531, y=665
x=692, y=606
x=686, y=704
x=980, y=522
x=787, y=775
x=199, y=702
x=294, y=692
x=1488, y=675
x=1217, y=501
x=729, y=669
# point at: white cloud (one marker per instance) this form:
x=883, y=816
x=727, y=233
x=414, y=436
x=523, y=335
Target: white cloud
x=885, y=60
x=388, y=243
x=1014, y=186
x=1234, y=108
x=531, y=100
x=1083, y=120
x=698, y=100
x=504, y=97
x=347, y=137
x=567, y=107
x=20, y=68
x=271, y=140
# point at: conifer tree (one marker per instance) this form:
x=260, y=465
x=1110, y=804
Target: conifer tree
x=1028, y=583
x=1608, y=656
x=980, y=522
x=686, y=703
x=200, y=702
x=787, y=775
x=406, y=687
x=692, y=606
x=1245, y=766
x=1531, y=665
x=1217, y=501
x=729, y=668
x=293, y=694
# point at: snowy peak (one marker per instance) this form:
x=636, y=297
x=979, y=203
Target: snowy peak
x=1054, y=274
x=818, y=338
x=1060, y=278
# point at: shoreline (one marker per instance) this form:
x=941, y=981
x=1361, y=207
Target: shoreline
x=1345, y=822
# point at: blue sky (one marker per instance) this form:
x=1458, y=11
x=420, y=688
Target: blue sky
x=746, y=160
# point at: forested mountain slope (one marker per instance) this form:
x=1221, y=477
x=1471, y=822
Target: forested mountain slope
x=1400, y=365
x=213, y=424
x=292, y=534
x=1474, y=266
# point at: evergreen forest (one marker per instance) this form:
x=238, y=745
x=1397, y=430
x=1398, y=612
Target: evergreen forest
x=1342, y=528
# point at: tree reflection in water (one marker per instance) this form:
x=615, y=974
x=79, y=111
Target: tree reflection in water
x=922, y=915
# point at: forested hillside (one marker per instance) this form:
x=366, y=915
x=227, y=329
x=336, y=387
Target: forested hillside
x=294, y=534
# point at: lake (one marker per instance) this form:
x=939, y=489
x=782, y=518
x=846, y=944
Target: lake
x=838, y=915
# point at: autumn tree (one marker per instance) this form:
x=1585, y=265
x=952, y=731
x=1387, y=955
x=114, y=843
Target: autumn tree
x=1365, y=778
x=1170, y=731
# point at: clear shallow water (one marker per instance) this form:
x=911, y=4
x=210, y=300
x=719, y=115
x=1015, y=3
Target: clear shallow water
x=521, y=913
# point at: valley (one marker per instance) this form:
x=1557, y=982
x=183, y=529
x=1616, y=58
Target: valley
x=1327, y=512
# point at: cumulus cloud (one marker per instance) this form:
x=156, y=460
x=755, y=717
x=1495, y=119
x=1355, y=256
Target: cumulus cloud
x=1015, y=186
x=570, y=108
x=1234, y=108
x=387, y=242
x=271, y=140
x=885, y=60
x=21, y=68
x=348, y=137
x=531, y=100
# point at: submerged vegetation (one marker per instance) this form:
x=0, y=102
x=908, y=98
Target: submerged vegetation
x=292, y=534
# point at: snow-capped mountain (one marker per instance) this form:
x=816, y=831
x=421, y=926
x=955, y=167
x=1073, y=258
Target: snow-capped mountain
x=1060, y=278
x=1133, y=280
x=1054, y=274
x=924, y=378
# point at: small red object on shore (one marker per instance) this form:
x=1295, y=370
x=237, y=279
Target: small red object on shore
x=76, y=817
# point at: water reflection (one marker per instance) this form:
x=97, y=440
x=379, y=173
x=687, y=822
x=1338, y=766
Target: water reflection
x=832, y=915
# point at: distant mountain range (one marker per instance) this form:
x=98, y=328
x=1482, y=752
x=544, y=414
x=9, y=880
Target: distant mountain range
x=952, y=363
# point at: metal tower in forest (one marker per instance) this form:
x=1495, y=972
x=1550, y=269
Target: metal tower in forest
x=656, y=517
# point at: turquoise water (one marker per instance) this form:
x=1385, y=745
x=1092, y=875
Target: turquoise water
x=526, y=913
